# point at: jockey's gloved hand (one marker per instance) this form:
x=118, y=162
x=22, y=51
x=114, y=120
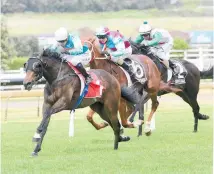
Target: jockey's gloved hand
x=144, y=44
x=105, y=53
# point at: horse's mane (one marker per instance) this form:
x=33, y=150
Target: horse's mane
x=51, y=54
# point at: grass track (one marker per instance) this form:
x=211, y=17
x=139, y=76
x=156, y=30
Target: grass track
x=172, y=149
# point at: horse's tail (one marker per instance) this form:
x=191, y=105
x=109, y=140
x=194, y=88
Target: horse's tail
x=208, y=74
x=130, y=95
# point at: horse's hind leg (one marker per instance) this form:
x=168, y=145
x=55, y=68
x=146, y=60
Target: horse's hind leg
x=96, y=125
x=109, y=114
x=192, y=101
x=144, y=99
x=155, y=104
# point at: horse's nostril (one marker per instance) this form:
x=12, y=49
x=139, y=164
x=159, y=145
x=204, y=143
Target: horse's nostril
x=26, y=84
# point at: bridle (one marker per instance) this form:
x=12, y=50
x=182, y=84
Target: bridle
x=97, y=58
x=38, y=71
x=93, y=52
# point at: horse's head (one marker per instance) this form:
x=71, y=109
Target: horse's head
x=34, y=72
x=138, y=48
x=88, y=38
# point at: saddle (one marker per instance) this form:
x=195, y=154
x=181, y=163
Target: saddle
x=178, y=71
x=138, y=71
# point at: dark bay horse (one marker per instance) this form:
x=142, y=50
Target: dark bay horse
x=189, y=90
x=153, y=85
x=62, y=91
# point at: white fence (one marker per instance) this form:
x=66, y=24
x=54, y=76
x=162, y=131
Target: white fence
x=202, y=58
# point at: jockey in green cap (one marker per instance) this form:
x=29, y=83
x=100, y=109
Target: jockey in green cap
x=161, y=42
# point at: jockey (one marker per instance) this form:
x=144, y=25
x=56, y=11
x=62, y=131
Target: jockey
x=69, y=44
x=161, y=43
x=114, y=44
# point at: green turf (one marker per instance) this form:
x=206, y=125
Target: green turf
x=172, y=148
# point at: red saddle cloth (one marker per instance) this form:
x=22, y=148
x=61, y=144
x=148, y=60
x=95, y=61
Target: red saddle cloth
x=95, y=88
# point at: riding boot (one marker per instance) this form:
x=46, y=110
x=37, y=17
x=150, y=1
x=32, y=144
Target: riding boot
x=130, y=91
x=173, y=67
x=87, y=76
x=127, y=68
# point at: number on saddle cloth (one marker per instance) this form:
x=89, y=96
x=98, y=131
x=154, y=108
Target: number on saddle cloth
x=137, y=69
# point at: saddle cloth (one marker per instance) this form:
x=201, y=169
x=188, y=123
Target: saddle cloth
x=95, y=88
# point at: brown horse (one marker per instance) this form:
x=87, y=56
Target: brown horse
x=62, y=91
x=152, y=86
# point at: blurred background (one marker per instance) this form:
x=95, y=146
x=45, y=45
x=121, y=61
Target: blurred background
x=28, y=25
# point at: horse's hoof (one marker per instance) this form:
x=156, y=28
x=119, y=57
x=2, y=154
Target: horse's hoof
x=35, y=140
x=129, y=125
x=203, y=117
x=131, y=120
x=116, y=146
x=148, y=133
x=139, y=135
x=34, y=154
x=147, y=129
x=124, y=138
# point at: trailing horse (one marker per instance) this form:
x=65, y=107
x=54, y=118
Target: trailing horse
x=63, y=89
x=189, y=90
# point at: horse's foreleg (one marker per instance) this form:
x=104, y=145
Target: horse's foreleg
x=90, y=120
x=155, y=104
x=42, y=129
x=40, y=136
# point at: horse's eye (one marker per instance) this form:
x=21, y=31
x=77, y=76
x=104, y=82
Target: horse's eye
x=36, y=66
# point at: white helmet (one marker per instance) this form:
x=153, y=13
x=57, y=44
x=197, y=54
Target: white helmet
x=61, y=34
x=145, y=28
x=101, y=31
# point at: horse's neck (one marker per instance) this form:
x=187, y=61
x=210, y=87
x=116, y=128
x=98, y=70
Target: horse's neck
x=55, y=70
x=101, y=64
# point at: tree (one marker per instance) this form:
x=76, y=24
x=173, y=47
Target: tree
x=7, y=50
x=180, y=44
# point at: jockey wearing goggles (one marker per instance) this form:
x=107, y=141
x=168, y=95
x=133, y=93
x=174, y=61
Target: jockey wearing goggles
x=160, y=41
x=114, y=45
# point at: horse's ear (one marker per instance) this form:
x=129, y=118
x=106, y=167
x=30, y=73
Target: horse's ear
x=46, y=52
x=36, y=54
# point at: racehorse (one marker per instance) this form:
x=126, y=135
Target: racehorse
x=152, y=85
x=189, y=90
x=62, y=91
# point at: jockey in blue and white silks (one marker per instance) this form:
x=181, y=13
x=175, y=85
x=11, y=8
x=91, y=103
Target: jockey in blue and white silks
x=113, y=43
x=70, y=46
